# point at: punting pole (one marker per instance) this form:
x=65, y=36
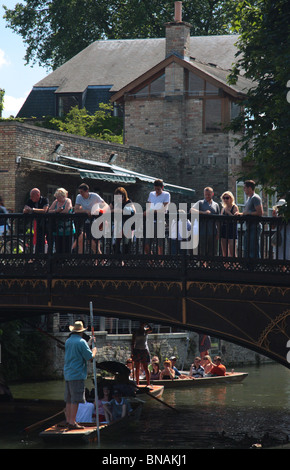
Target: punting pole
x=95, y=374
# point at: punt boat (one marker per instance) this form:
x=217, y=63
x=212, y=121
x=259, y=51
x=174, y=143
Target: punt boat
x=89, y=433
x=229, y=378
x=59, y=433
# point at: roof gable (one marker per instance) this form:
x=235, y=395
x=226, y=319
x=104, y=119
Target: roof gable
x=213, y=74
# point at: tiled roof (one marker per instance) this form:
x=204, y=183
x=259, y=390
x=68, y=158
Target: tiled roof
x=116, y=63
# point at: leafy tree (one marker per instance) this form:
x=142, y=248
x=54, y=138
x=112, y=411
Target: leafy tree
x=23, y=352
x=146, y=18
x=264, y=56
x=2, y=93
x=56, y=30
x=100, y=125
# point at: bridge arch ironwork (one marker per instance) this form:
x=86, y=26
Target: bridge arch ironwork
x=241, y=299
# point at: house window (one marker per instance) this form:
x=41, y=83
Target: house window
x=235, y=109
x=213, y=108
x=155, y=88
x=195, y=85
x=211, y=89
x=66, y=102
x=212, y=115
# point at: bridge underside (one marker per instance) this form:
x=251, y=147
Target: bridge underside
x=253, y=315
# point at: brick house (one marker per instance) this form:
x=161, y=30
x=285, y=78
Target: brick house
x=181, y=106
x=175, y=99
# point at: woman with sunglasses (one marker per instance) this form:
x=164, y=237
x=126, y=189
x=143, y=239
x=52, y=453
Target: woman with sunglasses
x=229, y=229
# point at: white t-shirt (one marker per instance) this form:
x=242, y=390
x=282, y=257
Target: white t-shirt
x=157, y=201
x=90, y=202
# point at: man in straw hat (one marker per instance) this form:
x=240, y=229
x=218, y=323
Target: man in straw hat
x=77, y=353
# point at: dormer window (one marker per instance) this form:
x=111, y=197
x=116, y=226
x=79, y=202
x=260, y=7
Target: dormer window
x=66, y=101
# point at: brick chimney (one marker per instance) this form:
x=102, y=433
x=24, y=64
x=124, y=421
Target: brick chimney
x=178, y=35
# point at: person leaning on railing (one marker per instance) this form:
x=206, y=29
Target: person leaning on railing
x=229, y=233
x=37, y=204
x=63, y=229
x=208, y=231
x=85, y=203
x=124, y=206
x=253, y=207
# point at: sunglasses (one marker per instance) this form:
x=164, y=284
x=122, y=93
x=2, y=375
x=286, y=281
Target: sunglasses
x=226, y=197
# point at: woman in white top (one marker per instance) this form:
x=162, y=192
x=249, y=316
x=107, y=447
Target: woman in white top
x=63, y=229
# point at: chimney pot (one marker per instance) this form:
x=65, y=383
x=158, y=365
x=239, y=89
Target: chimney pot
x=178, y=12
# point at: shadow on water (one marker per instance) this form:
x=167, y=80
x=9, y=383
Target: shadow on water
x=255, y=412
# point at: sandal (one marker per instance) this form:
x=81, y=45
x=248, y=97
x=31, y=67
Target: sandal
x=70, y=427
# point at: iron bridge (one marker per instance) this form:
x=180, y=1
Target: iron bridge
x=240, y=298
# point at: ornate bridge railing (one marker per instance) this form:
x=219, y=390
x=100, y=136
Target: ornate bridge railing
x=75, y=245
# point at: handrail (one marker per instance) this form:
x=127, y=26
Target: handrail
x=241, y=237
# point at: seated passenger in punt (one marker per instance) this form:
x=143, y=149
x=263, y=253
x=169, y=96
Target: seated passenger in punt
x=178, y=374
x=167, y=373
x=155, y=373
x=207, y=364
x=196, y=369
x=218, y=368
x=154, y=359
x=104, y=399
x=118, y=407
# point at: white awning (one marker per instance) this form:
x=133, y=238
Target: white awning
x=113, y=173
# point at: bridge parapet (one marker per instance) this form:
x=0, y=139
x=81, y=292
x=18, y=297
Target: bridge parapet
x=54, y=245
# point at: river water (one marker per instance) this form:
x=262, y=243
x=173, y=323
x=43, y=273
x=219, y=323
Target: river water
x=255, y=412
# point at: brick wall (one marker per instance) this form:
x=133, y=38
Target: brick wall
x=8, y=152
x=25, y=140
x=174, y=125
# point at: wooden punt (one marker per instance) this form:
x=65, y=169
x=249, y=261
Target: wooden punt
x=229, y=378
x=156, y=390
x=59, y=433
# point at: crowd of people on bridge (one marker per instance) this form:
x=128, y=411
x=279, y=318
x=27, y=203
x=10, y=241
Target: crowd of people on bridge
x=70, y=235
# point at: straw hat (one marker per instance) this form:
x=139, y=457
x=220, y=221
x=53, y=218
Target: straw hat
x=78, y=327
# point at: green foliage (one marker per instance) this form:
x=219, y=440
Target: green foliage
x=264, y=57
x=23, y=352
x=101, y=125
x=54, y=31
x=2, y=93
